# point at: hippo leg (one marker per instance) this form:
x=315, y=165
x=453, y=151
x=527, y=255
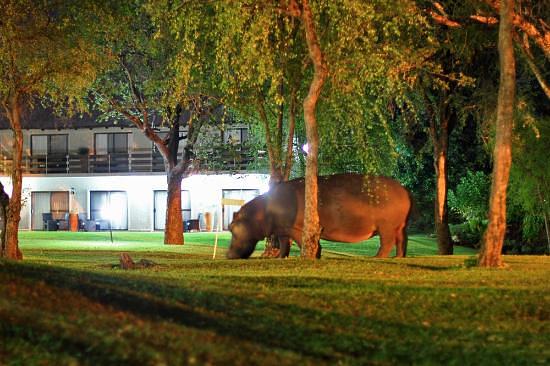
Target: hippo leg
x=401, y=242
x=284, y=246
x=387, y=241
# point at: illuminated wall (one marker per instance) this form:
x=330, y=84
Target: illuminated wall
x=205, y=191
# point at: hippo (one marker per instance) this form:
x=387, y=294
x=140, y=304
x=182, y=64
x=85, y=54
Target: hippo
x=352, y=208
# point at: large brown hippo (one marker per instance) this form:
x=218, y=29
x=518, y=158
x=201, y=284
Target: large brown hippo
x=352, y=208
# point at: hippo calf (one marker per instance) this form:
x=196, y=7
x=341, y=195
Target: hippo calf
x=352, y=208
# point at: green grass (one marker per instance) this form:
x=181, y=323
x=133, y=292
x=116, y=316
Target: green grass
x=66, y=304
x=199, y=243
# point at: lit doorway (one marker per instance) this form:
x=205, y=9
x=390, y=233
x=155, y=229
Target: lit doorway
x=54, y=204
x=109, y=208
x=159, y=209
x=236, y=194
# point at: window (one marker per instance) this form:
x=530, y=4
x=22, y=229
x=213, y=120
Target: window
x=235, y=136
x=111, y=143
x=160, y=208
x=109, y=208
x=55, y=204
x=49, y=144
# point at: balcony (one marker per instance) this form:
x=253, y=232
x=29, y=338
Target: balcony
x=137, y=161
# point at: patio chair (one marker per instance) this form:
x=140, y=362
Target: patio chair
x=84, y=224
x=49, y=224
x=63, y=224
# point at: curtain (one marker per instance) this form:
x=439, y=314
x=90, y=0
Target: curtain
x=59, y=205
x=40, y=204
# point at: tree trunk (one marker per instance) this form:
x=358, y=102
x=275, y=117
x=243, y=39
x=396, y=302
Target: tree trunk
x=173, y=231
x=11, y=245
x=312, y=231
x=493, y=239
x=444, y=243
x=281, y=174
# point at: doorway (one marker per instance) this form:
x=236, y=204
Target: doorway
x=159, y=208
x=109, y=208
x=236, y=194
x=56, y=203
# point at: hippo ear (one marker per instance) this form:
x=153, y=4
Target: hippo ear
x=236, y=215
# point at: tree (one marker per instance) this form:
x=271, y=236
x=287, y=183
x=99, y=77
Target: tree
x=42, y=55
x=149, y=86
x=473, y=19
x=530, y=24
x=528, y=195
x=363, y=48
x=258, y=68
x=311, y=232
x=259, y=76
x=491, y=247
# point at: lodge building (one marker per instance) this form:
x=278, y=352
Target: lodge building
x=111, y=175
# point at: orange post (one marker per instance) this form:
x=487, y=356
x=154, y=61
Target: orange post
x=208, y=221
x=73, y=222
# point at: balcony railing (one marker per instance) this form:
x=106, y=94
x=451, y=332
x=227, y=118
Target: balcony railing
x=131, y=162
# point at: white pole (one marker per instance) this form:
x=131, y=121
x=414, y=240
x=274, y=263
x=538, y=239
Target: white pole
x=218, y=229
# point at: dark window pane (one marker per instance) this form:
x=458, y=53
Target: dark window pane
x=39, y=145
x=119, y=143
x=58, y=144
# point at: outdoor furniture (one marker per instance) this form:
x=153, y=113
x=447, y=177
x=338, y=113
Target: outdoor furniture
x=84, y=224
x=63, y=224
x=191, y=225
x=102, y=225
x=49, y=223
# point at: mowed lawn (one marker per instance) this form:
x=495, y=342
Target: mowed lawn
x=67, y=304
x=200, y=244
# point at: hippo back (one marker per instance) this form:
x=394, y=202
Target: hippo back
x=351, y=206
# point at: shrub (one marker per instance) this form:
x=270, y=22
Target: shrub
x=470, y=199
x=468, y=234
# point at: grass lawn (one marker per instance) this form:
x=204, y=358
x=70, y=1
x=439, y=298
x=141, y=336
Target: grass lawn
x=200, y=244
x=66, y=304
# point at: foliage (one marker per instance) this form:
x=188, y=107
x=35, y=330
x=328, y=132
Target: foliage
x=143, y=76
x=414, y=169
x=373, y=51
x=470, y=198
x=530, y=175
x=44, y=50
x=72, y=307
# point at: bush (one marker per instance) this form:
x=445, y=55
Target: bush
x=519, y=247
x=470, y=199
x=468, y=234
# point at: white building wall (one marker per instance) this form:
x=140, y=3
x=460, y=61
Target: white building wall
x=205, y=191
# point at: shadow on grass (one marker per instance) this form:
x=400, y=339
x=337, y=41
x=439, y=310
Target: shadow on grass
x=328, y=336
